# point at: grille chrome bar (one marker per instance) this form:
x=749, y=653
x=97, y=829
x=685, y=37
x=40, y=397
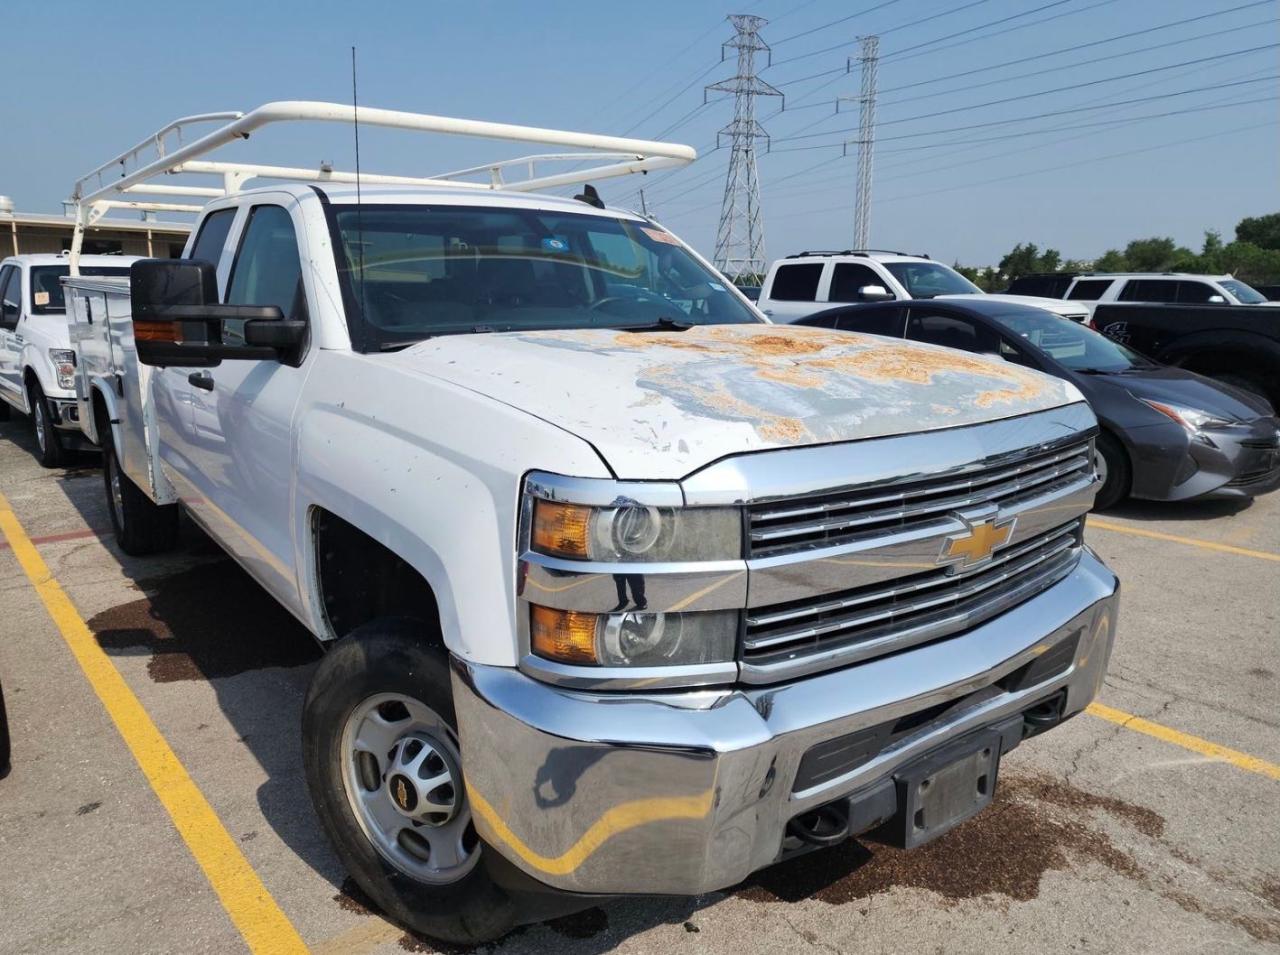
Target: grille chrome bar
x=870, y=622
x=842, y=516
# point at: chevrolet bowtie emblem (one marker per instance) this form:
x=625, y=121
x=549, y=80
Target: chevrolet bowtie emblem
x=977, y=542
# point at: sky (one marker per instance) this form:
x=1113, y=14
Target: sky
x=1095, y=158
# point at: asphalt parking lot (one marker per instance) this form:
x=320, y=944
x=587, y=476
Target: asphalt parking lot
x=1108, y=834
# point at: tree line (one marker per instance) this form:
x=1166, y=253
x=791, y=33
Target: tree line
x=1252, y=256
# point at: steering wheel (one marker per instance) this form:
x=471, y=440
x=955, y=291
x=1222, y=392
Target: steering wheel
x=596, y=306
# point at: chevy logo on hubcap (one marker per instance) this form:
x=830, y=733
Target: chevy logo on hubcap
x=980, y=539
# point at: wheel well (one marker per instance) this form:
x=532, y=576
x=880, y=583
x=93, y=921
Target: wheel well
x=361, y=580
x=1218, y=360
x=101, y=418
x=29, y=377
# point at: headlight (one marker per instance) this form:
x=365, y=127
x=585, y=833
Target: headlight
x=632, y=639
x=627, y=531
x=64, y=366
x=1190, y=419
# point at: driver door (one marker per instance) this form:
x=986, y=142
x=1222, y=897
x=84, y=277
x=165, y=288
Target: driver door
x=242, y=412
x=10, y=347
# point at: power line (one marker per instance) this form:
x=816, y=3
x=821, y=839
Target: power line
x=832, y=23
x=980, y=26
x=1076, y=64
x=1079, y=46
x=1060, y=89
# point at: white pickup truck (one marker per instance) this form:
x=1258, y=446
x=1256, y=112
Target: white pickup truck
x=624, y=590
x=37, y=363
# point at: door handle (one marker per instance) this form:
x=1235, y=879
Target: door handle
x=201, y=380
x=18, y=339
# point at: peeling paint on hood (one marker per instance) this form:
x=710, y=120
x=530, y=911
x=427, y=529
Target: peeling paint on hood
x=663, y=404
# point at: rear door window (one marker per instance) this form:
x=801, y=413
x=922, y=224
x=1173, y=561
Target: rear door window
x=1149, y=290
x=952, y=332
x=213, y=236
x=1088, y=290
x=796, y=283
x=848, y=278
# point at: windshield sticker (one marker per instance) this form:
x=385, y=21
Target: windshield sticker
x=555, y=243
x=716, y=286
x=41, y=298
x=658, y=235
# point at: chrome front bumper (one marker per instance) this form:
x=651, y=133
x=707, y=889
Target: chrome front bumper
x=684, y=793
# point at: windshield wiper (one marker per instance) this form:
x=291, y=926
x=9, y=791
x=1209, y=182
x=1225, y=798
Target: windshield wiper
x=663, y=324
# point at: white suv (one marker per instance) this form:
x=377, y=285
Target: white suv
x=800, y=285
x=37, y=364
x=1163, y=288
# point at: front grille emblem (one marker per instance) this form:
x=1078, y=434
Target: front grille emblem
x=977, y=542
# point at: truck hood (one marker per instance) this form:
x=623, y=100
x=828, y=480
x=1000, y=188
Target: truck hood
x=660, y=405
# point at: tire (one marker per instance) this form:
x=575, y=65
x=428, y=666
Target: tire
x=388, y=660
x=1113, y=466
x=141, y=526
x=49, y=449
x=4, y=738
x=4, y=410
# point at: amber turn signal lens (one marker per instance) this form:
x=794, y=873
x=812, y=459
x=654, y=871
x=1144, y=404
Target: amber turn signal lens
x=148, y=331
x=562, y=530
x=565, y=636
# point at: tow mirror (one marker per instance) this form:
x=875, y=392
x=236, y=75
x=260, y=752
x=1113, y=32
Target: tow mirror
x=874, y=293
x=178, y=320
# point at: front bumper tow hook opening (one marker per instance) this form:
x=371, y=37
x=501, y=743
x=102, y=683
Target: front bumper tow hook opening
x=825, y=826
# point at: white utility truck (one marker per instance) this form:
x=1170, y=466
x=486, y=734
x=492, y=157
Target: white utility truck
x=37, y=363
x=624, y=590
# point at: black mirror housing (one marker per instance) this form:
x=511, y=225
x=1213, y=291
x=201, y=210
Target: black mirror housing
x=157, y=284
x=178, y=320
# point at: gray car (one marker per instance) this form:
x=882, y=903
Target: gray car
x=1165, y=434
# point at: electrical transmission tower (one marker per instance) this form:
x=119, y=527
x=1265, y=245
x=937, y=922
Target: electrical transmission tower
x=740, y=238
x=869, y=57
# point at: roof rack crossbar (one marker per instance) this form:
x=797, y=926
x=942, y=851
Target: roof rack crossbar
x=609, y=156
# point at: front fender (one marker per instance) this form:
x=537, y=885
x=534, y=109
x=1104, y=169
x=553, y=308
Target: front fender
x=432, y=471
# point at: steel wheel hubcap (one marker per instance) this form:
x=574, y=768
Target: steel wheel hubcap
x=39, y=416
x=403, y=777
x=117, y=497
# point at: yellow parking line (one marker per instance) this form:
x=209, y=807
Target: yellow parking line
x=1191, y=541
x=263, y=925
x=1185, y=740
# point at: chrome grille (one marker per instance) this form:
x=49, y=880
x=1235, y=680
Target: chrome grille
x=872, y=621
x=841, y=517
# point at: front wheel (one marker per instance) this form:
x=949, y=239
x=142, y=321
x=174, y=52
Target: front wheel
x=49, y=447
x=384, y=766
x=1111, y=463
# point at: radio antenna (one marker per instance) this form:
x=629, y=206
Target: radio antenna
x=355, y=124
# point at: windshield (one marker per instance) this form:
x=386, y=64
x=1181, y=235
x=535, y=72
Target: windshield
x=46, y=289
x=1074, y=346
x=437, y=270
x=1244, y=294
x=927, y=279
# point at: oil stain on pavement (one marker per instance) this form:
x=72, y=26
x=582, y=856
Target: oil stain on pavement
x=1036, y=824
x=208, y=622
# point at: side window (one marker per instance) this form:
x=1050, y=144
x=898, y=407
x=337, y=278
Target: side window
x=1195, y=293
x=267, y=269
x=952, y=332
x=1149, y=290
x=10, y=296
x=873, y=321
x=1088, y=290
x=848, y=278
x=796, y=283
x=213, y=236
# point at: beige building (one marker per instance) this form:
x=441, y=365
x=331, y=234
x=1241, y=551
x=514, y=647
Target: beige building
x=34, y=232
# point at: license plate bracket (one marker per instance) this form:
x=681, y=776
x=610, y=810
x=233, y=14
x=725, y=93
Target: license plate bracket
x=948, y=787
